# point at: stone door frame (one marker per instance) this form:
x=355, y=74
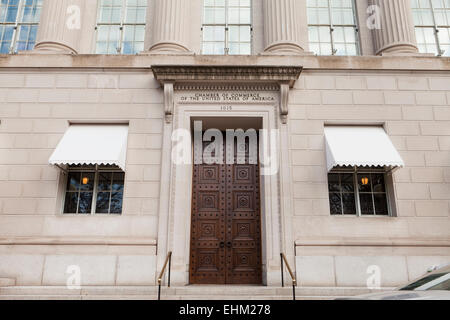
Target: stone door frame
x=175, y=206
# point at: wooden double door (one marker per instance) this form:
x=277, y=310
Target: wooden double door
x=226, y=223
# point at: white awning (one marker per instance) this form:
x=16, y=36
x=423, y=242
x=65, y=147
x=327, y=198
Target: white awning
x=360, y=147
x=92, y=144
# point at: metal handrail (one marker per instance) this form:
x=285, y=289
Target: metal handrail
x=168, y=260
x=294, y=279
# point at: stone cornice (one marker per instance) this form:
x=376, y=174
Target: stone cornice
x=220, y=73
x=26, y=61
x=205, y=86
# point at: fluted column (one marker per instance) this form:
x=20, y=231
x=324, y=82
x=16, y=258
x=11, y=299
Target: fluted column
x=170, y=29
x=285, y=26
x=394, y=30
x=60, y=26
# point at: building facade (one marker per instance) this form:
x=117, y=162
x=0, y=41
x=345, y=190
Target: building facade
x=99, y=105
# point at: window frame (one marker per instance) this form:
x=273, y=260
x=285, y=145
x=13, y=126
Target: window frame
x=226, y=25
x=18, y=23
x=92, y=169
x=355, y=171
x=435, y=26
x=332, y=26
x=121, y=26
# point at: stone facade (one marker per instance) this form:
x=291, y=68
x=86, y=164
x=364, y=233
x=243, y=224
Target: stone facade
x=43, y=91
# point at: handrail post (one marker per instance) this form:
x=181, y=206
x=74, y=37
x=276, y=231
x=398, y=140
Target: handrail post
x=293, y=292
x=294, y=282
x=293, y=276
x=161, y=275
x=159, y=289
x=282, y=267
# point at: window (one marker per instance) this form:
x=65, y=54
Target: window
x=121, y=26
x=432, y=21
x=360, y=193
x=19, y=20
x=332, y=27
x=227, y=27
x=94, y=190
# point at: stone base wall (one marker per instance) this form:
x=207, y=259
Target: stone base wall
x=54, y=265
x=363, y=266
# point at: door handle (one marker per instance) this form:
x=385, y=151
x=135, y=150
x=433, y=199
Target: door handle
x=222, y=245
x=229, y=244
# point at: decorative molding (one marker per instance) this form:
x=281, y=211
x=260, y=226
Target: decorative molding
x=82, y=241
x=52, y=47
x=284, y=102
x=251, y=78
x=372, y=243
x=168, y=101
x=225, y=86
x=265, y=74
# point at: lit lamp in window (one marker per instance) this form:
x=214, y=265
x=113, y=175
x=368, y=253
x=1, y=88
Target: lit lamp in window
x=85, y=180
x=365, y=181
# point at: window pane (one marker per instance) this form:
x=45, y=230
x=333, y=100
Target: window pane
x=245, y=34
x=322, y=14
x=27, y=20
x=234, y=48
x=366, y=203
x=138, y=47
x=364, y=183
x=245, y=16
x=348, y=200
x=313, y=34
x=245, y=49
x=208, y=48
x=132, y=15
x=378, y=183
x=218, y=15
x=116, y=202
x=335, y=204
x=118, y=178
x=381, y=206
x=85, y=203
x=133, y=36
x=102, y=205
x=104, y=181
x=71, y=202
x=347, y=183
x=426, y=17
x=11, y=13
x=108, y=38
x=87, y=181
x=73, y=181
x=233, y=16
x=333, y=182
x=31, y=11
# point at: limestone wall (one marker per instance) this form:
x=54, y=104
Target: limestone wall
x=37, y=242
x=414, y=109
x=40, y=94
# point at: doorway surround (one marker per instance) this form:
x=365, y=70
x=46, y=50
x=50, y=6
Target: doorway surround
x=253, y=92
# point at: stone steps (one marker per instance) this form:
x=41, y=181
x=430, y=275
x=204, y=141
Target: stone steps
x=153, y=297
x=176, y=293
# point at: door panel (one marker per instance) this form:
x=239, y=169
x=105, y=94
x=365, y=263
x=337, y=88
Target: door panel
x=226, y=224
x=208, y=218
